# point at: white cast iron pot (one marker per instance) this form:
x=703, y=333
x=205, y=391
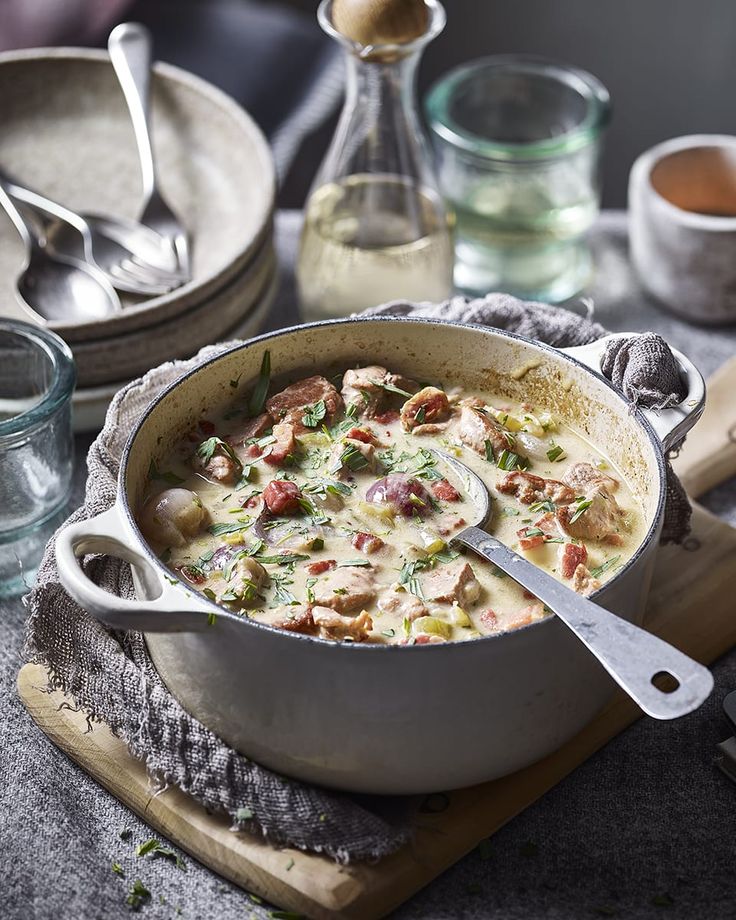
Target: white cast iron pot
x=374, y=718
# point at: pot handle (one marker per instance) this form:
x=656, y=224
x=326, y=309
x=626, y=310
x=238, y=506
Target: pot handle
x=171, y=607
x=670, y=425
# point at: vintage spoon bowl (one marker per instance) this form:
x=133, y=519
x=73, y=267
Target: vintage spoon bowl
x=637, y=660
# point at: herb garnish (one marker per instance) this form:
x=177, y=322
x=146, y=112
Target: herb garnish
x=555, y=453
x=154, y=847
x=364, y=563
x=605, y=566
x=117, y=868
x=217, y=530
x=350, y=457
x=258, y=397
x=507, y=460
x=420, y=415
x=545, y=505
x=391, y=388
x=137, y=895
x=580, y=508
x=171, y=478
x=490, y=456
x=313, y=415
x=207, y=450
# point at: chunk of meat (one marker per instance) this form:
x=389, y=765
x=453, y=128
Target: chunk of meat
x=333, y=625
x=346, y=589
x=573, y=555
x=362, y=388
x=530, y=538
x=427, y=406
x=172, y=517
x=430, y=428
x=367, y=542
x=528, y=615
x=361, y=434
x=584, y=478
x=283, y=447
x=445, y=491
x=289, y=404
x=404, y=493
x=281, y=496
x=351, y=455
x=247, y=577
x=473, y=428
x=602, y=519
x=387, y=417
x=529, y=488
x=295, y=618
x=403, y=604
x=217, y=461
x=427, y=639
x=452, y=583
x=255, y=427
x=321, y=566
x=584, y=582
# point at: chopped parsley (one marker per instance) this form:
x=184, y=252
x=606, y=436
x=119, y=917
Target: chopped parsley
x=207, y=450
x=364, y=563
x=154, y=847
x=313, y=415
x=490, y=456
x=545, y=505
x=217, y=530
x=350, y=457
x=392, y=388
x=117, y=869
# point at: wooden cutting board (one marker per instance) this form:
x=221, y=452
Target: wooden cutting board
x=695, y=580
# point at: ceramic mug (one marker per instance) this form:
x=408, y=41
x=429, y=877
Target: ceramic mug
x=682, y=225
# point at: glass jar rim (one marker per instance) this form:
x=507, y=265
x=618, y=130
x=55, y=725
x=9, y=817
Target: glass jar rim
x=596, y=96
x=370, y=53
x=61, y=387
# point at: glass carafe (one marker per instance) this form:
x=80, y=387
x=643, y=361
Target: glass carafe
x=376, y=228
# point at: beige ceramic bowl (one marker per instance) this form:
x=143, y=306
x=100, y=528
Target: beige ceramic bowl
x=67, y=133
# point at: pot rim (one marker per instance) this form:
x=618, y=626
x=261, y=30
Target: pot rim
x=122, y=498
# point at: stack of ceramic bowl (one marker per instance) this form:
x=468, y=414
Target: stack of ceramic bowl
x=67, y=133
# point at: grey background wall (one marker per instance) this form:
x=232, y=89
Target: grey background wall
x=670, y=65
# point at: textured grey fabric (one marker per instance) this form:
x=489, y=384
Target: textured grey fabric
x=642, y=366
x=646, y=816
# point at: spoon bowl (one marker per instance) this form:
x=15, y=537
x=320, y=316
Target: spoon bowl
x=638, y=661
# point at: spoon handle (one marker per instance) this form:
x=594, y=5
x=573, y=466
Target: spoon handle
x=631, y=655
x=25, y=228
x=130, y=48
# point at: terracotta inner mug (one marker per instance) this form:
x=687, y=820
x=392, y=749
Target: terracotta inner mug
x=699, y=179
x=682, y=225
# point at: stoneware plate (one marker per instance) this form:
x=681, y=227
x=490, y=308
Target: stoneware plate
x=90, y=403
x=107, y=360
x=67, y=133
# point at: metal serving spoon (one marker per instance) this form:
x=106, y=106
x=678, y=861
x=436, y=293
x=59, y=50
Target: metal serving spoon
x=101, y=243
x=130, y=46
x=52, y=287
x=631, y=655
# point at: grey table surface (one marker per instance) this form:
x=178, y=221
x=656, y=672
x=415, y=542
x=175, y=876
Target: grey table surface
x=642, y=829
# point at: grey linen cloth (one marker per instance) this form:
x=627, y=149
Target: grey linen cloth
x=112, y=677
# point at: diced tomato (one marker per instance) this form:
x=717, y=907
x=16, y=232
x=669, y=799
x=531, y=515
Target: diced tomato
x=192, y=574
x=489, y=618
x=445, y=490
x=573, y=555
x=527, y=542
x=323, y=565
x=385, y=418
x=281, y=496
x=367, y=542
x=206, y=427
x=361, y=434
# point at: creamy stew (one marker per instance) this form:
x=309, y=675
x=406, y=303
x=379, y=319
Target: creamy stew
x=320, y=510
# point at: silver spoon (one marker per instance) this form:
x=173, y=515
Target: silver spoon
x=70, y=234
x=56, y=288
x=631, y=655
x=130, y=47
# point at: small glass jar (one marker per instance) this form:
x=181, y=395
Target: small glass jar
x=518, y=141
x=37, y=378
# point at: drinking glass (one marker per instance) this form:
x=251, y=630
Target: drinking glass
x=518, y=142
x=37, y=377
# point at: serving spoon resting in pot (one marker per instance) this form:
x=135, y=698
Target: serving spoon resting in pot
x=632, y=656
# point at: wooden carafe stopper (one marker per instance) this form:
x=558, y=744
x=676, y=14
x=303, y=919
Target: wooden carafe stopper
x=380, y=22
